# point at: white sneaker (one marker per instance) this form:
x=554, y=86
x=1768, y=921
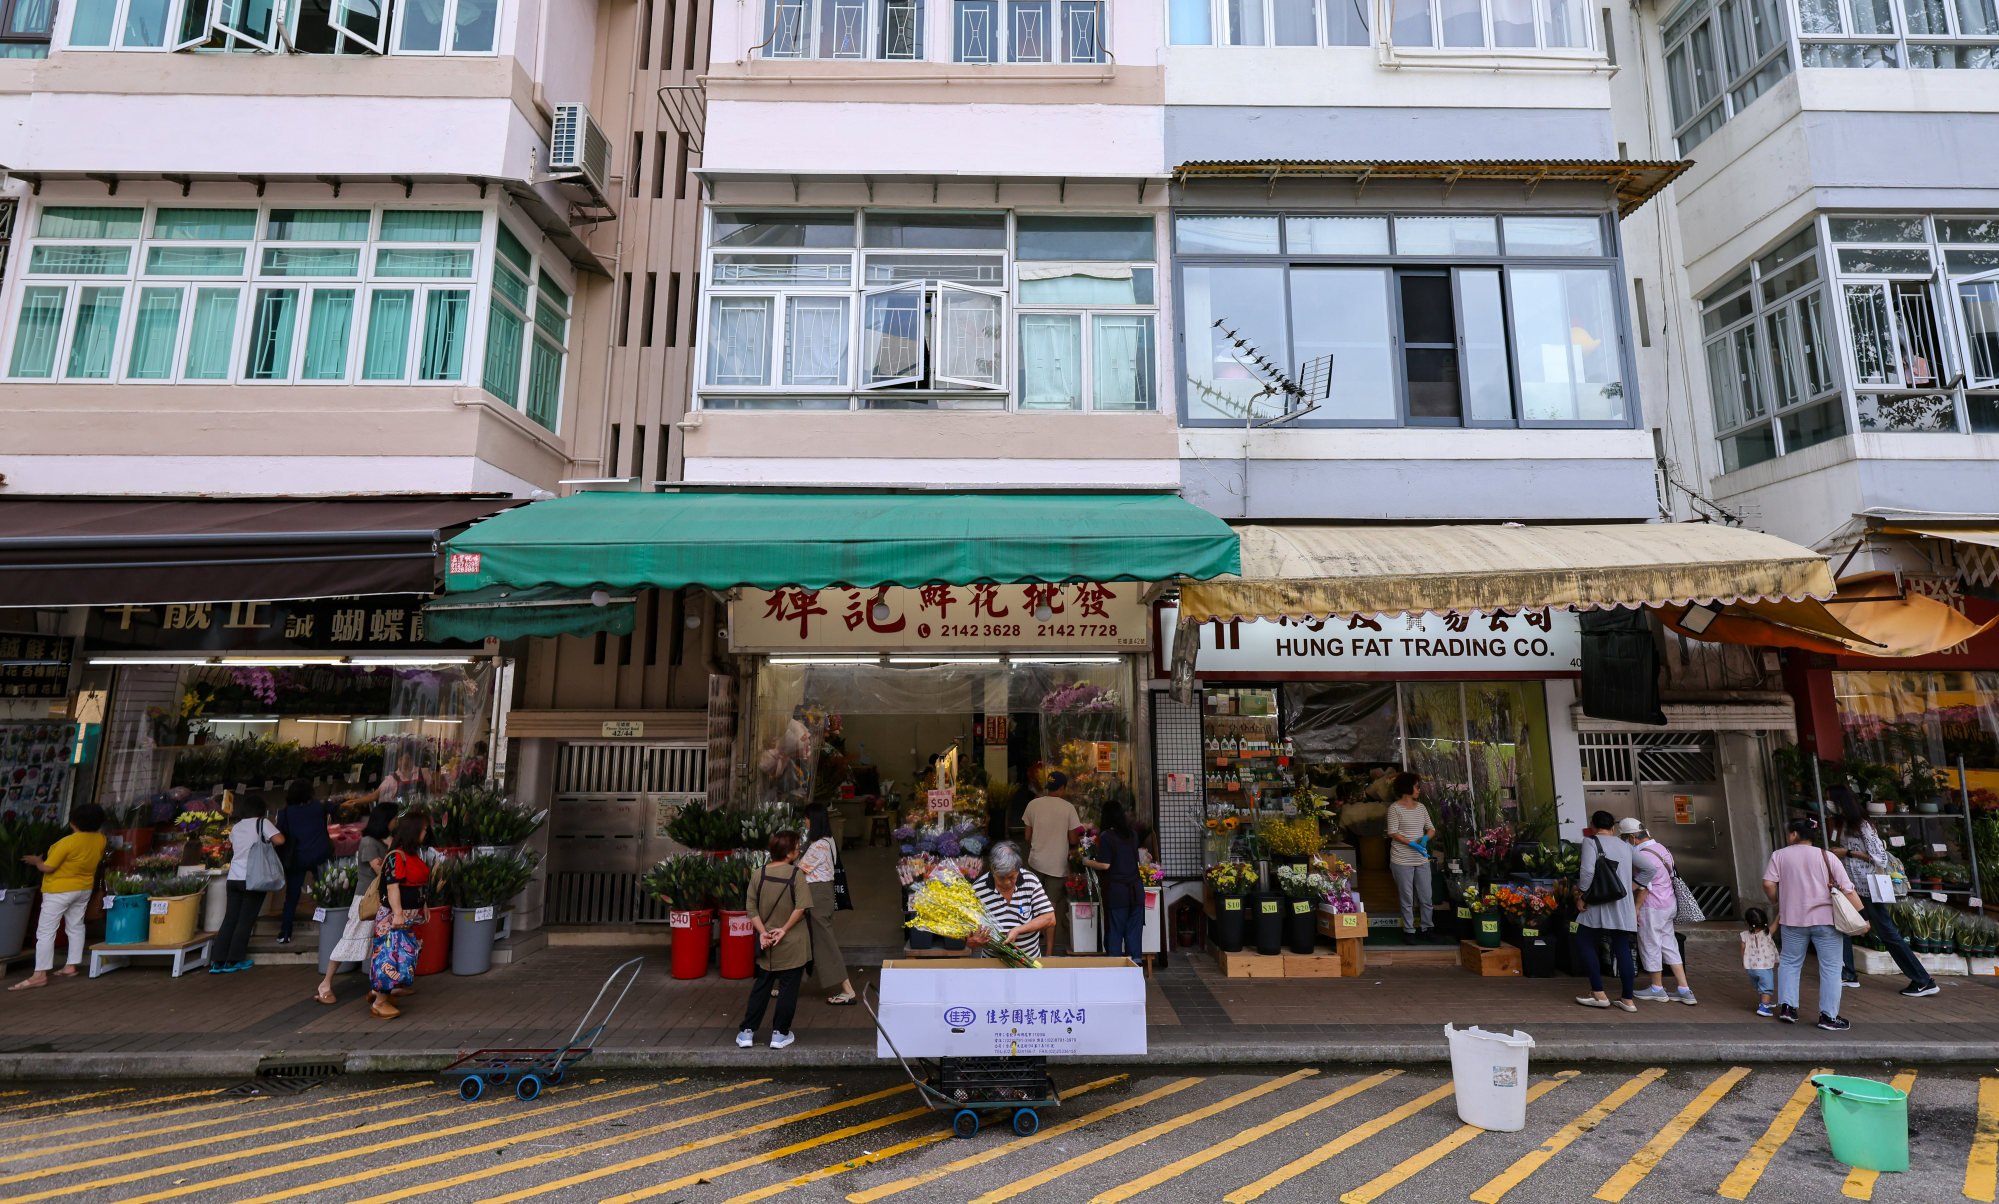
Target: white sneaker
x=780, y=1040
x=746, y=1038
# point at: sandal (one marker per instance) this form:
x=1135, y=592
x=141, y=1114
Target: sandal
x=325, y=996
x=382, y=1009
x=845, y=1000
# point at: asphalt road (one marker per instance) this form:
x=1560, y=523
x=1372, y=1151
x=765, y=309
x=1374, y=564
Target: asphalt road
x=1236, y=1134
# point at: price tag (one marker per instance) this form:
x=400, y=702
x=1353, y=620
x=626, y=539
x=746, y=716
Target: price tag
x=1939, y=896
x=319, y=915
x=1975, y=903
x=483, y=913
x=937, y=801
x=1268, y=907
x=1896, y=842
x=158, y=907
x=1939, y=847
x=1881, y=887
x=109, y=901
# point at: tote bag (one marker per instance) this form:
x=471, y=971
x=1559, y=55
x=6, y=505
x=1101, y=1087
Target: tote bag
x=262, y=869
x=1845, y=916
x=842, y=901
x=1604, y=885
x=1686, y=908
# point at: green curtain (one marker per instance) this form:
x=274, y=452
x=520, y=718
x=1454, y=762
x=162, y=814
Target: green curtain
x=504, y=329
x=329, y=323
x=444, y=314
x=80, y=261
x=194, y=261
x=311, y=261
x=271, y=324
x=201, y=225
x=544, y=384
x=511, y=286
x=423, y=264
x=153, y=332
x=211, y=333
x=97, y=309
x=512, y=251
x=318, y=225
x=92, y=24
x=431, y=225
x=390, y=312
x=35, y=337
x=89, y=221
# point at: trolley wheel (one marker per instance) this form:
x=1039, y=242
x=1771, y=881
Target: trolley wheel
x=965, y=1123
x=1026, y=1122
x=553, y=1076
x=529, y=1087
x=471, y=1087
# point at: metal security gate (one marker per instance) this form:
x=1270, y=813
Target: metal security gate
x=1176, y=760
x=1671, y=781
x=613, y=799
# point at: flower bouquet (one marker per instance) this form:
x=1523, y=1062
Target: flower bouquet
x=1300, y=882
x=1232, y=877
x=1490, y=849
x=915, y=868
x=948, y=906
x=1150, y=875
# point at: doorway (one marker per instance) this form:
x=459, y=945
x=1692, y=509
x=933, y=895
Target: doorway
x=1671, y=781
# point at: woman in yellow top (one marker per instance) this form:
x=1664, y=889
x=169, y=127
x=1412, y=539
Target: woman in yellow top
x=68, y=873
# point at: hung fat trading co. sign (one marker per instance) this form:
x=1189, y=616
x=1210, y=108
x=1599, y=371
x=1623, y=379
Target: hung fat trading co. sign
x=1524, y=641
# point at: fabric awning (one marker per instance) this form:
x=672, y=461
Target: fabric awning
x=766, y=540
x=1985, y=535
x=1896, y=623
x=108, y=552
x=1774, y=623
x=1311, y=572
x=503, y=612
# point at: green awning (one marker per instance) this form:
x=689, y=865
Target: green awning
x=506, y=612
x=766, y=540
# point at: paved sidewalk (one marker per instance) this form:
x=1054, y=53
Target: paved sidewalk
x=140, y=1022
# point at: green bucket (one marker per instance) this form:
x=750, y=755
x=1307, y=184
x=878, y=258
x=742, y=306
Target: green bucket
x=1867, y=1122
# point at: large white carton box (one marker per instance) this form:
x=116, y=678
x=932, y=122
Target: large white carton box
x=975, y=1007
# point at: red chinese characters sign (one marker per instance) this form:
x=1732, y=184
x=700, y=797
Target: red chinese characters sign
x=936, y=618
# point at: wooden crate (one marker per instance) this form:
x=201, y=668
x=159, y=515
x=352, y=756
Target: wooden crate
x=1336, y=926
x=1489, y=963
x=1250, y=965
x=1320, y=963
x=1353, y=957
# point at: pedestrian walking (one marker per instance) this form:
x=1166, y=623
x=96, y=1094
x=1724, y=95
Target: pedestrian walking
x=360, y=924
x=1410, y=830
x=254, y=872
x=69, y=869
x=1801, y=879
x=1124, y=894
x=1053, y=828
x=1603, y=885
x=1652, y=867
x=779, y=900
x=1867, y=865
x=306, y=846
x=400, y=903
x=819, y=863
x=1759, y=959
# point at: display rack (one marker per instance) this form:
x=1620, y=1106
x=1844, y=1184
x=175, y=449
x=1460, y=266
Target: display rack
x=1973, y=894
x=1245, y=758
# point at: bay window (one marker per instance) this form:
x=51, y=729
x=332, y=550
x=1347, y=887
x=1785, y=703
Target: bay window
x=1470, y=320
x=1497, y=26
x=1770, y=356
x=25, y=26
x=1720, y=56
x=1909, y=33
x=815, y=310
x=843, y=29
x=420, y=27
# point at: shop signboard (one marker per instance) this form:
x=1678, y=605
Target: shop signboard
x=34, y=666
x=380, y=623
x=1537, y=643
x=1070, y=616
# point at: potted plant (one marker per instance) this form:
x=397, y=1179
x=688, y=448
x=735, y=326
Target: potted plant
x=332, y=894
x=477, y=888
x=1302, y=888
x=685, y=883
x=173, y=905
x=1289, y=841
x=19, y=882
x=1537, y=946
x=503, y=824
x=125, y=920
x=453, y=826
x=1484, y=909
x=1231, y=881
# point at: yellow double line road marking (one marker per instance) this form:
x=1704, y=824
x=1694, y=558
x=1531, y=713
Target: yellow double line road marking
x=1020, y=1143
x=1422, y=1160
x=1050, y=1174
x=1174, y=1170
x=689, y=1147
x=1743, y=1178
x=885, y=1153
x=1644, y=1161
x=1981, y=1169
x=1533, y=1160
x=1859, y=1184
x=208, y=1139
x=205, y=1124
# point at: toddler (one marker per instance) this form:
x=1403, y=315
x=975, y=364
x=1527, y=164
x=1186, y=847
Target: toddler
x=1759, y=958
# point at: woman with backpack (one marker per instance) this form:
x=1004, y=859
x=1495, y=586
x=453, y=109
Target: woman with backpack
x=1603, y=887
x=1867, y=857
x=779, y=900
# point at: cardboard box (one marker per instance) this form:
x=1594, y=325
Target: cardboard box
x=975, y=1007
x=1248, y=964
x=1489, y=963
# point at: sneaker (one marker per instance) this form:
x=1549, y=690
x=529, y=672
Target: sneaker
x=218, y=968
x=1766, y=1010
x=1914, y=991
x=1685, y=995
x=1655, y=994
x=284, y=940
x=746, y=1038
x=245, y=964
x=1851, y=984
x=780, y=1040
x=1787, y=1013
x=1834, y=1024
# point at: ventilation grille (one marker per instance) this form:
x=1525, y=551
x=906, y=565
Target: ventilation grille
x=1176, y=744
x=627, y=768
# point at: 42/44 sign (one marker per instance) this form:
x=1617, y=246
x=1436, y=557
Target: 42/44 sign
x=1067, y=615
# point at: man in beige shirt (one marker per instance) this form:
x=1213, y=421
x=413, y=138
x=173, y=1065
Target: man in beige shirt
x=1051, y=821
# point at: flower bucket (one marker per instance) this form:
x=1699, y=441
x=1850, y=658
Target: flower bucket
x=435, y=932
x=1537, y=954
x=332, y=926
x=138, y=841
x=126, y=921
x=1301, y=926
x=214, y=902
x=170, y=919
x=1268, y=914
x=17, y=913
x=1230, y=919
x=738, y=955
x=693, y=934
x=1486, y=929
x=472, y=931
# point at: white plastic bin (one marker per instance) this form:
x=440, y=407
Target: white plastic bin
x=1490, y=1073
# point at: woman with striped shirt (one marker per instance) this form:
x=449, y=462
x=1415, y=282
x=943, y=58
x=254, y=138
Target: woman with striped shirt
x=1015, y=901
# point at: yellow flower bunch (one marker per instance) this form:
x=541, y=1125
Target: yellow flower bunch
x=947, y=905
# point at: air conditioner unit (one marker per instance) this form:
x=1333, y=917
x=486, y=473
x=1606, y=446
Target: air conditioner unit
x=578, y=151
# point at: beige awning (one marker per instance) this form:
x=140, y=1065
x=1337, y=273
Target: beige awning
x=1314, y=571
x=1985, y=536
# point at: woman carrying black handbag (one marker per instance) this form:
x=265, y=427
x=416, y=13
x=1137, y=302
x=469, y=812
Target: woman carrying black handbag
x=1607, y=909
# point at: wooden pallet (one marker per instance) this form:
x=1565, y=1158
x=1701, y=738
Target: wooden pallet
x=1489, y=963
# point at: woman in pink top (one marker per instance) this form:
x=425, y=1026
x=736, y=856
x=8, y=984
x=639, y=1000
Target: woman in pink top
x=1800, y=880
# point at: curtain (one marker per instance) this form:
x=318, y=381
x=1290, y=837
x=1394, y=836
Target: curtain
x=80, y=260
x=968, y=343
x=153, y=332
x=504, y=329
x=1121, y=362
x=1051, y=361
x=194, y=261
x=318, y=261
x=1193, y=22
x=211, y=333
x=92, y=24
x=90, y=347
x=476, y=25
x=205, y=224
x=544, y=384
x=428, y=225
x=1296, y=22
x=815, y=341
x=511, y=285
x=739, y=341
x=1245, y=22
x=1076, y=284
x=423, y=26
x=329, y=324
x=444, y=315
x=319, y=225
x=391, y=311
x=88, y=221
x=272, y=317
x=40, y=326
x=425, y=265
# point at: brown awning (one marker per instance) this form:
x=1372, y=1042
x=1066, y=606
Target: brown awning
x=1633, y=181
x=107, y=552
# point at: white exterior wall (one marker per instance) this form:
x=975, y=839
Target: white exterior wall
x=972, y=137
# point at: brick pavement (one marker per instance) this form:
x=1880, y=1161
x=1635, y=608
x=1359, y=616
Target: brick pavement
x=220, y=1024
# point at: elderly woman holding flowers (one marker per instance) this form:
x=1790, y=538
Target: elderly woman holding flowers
x=1017, y=905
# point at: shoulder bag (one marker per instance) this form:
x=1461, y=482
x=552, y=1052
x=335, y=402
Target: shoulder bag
x=1604, y=885
x=263, y=871
x=1686, y=908
x=842, y=901
x=1845, y=916
x=791, y=888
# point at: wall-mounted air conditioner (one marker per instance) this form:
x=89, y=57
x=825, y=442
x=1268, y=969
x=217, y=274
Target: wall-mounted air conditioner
x=579, y=153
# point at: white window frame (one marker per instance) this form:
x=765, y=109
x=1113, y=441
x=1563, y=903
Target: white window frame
x=1891, y=50
x=1088, y=314
x=216, y=35
x=941, y=307
x=1718, y=23
x=866, y=380
x=1963, y=323
x=1589, y=56
x=805, y=43
x=1060, y=40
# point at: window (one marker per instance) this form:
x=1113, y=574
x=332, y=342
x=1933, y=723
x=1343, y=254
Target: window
x=1464, y=320
x=1493, y=26
x=930, y=311
x=1770, y=355
x=1027, y=31
x=25, y=26
x=277, y=26
x=1720, y=56
x=1899, y=33
x=843, y=29
x=279, y=295
x=1270, y=22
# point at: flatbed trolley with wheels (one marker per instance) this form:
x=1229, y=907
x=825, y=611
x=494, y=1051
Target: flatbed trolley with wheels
x=971, y=1088
x=530, y=1069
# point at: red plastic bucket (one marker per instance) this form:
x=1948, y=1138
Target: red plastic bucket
x=693, y=932
x=739, y=945
x=435, y=933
